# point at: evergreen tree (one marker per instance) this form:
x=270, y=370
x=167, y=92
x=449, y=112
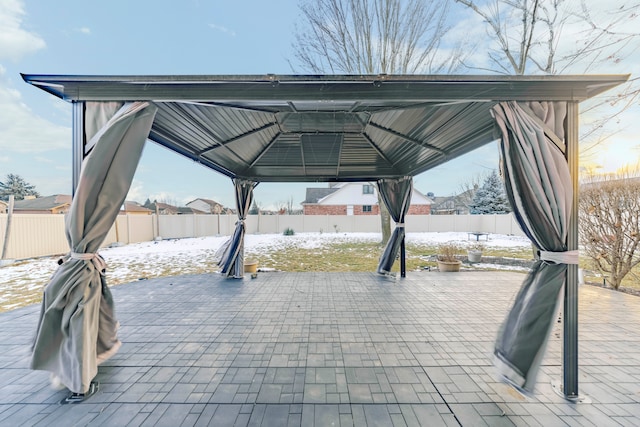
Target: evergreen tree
x=490, y=197
x=255, y=209
x=14, y=184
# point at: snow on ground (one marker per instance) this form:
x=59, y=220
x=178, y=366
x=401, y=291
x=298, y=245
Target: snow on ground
x=185, y=256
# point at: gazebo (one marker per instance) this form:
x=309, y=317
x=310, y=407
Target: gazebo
x=285, y=128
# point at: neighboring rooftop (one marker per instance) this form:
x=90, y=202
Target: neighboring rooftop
x=314, y=195
x=46, y=203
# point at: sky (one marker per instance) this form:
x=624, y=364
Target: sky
x=188, y=37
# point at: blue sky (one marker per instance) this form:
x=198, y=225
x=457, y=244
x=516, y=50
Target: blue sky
x=164, y=37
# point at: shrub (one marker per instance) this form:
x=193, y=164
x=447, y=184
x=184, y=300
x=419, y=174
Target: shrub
x=476, y=246
x=288, y=232
x=447, y=252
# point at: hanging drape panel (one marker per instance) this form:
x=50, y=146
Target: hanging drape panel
x=538, y=185
x=396, y=194
x=232, y=260
x=77, y=329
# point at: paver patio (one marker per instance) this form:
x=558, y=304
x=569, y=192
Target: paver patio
x=320, y=349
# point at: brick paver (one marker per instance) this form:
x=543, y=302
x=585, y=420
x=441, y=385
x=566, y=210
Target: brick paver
x=343, y=349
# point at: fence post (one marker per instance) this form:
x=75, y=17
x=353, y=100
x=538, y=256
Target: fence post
x=7, y=232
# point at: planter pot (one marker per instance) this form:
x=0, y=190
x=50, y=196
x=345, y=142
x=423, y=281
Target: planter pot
x=251, y=267
x=474, y=256
x=449, y=266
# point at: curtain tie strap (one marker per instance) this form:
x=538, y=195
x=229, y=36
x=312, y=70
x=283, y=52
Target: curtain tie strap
x=239, y=222
x=95, y=258
x=399, y=224
x=566, y=257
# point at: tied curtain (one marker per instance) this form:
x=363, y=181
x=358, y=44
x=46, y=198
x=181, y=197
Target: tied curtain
x=396, y=194
x=77, y=329
x=538, y=185
x=232, y=257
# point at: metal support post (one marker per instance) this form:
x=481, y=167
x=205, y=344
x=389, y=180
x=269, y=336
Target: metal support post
x=77, y=143
x=570, y=343
x=403, y=259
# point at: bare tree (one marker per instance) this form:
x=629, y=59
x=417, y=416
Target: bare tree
x=372, y=37
x=609, y=210
x=467, y=189
x=528, y=37
x=290, y=209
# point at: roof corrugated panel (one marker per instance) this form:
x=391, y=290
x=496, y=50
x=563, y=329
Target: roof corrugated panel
x=323, y=128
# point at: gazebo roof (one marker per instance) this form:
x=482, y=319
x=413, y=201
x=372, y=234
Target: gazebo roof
x=323, y=128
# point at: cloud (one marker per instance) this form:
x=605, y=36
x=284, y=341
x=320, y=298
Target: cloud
x=21, y=130
x=4, y=159
x=223, y=29
x=84, y=30
x=136, y=191
x=15, y=42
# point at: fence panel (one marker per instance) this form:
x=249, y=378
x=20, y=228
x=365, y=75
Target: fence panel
x=176, y=226
x=34, y=235
x=43, y=235
x=205, y=225
x=140, y=228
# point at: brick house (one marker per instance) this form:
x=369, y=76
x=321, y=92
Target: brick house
x=355, y=198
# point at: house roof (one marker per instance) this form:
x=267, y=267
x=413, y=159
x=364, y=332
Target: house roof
x=42, y=203
x=323, y=127
x=189, y=210
x=427, y=200
x=130, y=206
x=207, y=201
x=175, y=210
x=314, y=195
x=452, y=202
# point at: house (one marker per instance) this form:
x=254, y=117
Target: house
x=134, y=208
x=452, y=205
x=167, y=209
x=207, y=206
x=355, y=198
x=56, y=204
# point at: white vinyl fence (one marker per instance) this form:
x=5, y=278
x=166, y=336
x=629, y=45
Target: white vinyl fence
x=43, y=235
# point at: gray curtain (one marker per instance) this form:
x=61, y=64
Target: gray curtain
x=232, y=260
x=77, y=329
x=538, y=185
x=396, y=194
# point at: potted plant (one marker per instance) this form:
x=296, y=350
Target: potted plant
x=251, y=266
x=474, y=252
x=446, y=258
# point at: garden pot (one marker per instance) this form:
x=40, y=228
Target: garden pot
x=449, y=266
x=251, y=267
x=474, y=256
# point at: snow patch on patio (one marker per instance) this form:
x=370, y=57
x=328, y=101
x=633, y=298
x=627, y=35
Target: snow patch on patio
x=185, y=256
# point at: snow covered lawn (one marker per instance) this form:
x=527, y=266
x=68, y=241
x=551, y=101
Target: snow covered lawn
x=21, y=283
